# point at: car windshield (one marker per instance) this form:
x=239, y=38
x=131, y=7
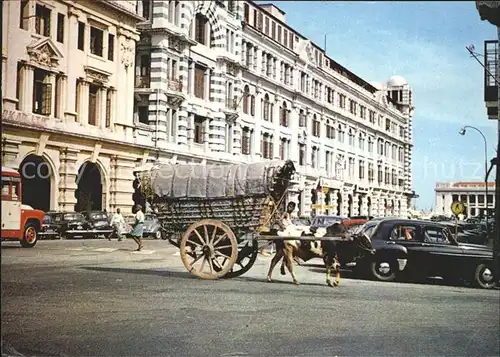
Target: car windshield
x=73, y=217
x=325, y=221
x=98, y=216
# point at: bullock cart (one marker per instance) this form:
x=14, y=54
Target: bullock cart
x=216, y=214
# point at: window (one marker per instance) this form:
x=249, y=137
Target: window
x=361, y=170
x=96, y=41
x=260, y=21
x=199, y=123
x=362, y=112
x=370, y=173
x=246, y=12
x=314, y=157
x=401, y=154
x=315, y=127
x=387, y=125
x=199, y=82
x=342, y=101
x=380, y=174
x=361, y=142
x=283, y=149
x=111, y=47
x=246, y=99
x=372, y=116
x=201, y=27
x=81, y=36
x=60, y=28
x=302, y=154
x=291, y=41
x=24, y=15
x=370, y=145
x=404, y=232
x=267, y=108
x=351, y=137
x=266, y=146
x=42, y=20
x=143, y=112
x=245, y=141
x=145, y=9
x=266, y=26
x=42, y=93
x=380, y=150
x=352, y=107
x=284, y=116
x=93, y=107
x=436, y=235
x=302, y=119
x=273, y=30
x=279, y=33
x=252, y=105
x=285, y=37
x=330, y=131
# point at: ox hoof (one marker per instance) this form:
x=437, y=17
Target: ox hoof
x=283, y=272
x=269, y=280
x=296, y=282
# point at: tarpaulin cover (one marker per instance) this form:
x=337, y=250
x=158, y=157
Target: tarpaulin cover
x=212, y=181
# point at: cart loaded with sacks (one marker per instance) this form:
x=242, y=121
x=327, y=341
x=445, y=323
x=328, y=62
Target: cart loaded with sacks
x=216, y=214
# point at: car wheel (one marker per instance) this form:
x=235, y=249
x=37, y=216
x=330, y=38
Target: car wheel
x=30, y=236
x=383, y=269
x=483, y=276
x=158, y=234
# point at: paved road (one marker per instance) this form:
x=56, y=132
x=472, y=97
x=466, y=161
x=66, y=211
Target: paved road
x=98, y=298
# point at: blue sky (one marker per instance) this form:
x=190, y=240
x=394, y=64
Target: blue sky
x=425, y=43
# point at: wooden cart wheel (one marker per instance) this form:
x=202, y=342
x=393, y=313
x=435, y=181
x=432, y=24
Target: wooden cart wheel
x=208, y=244
x=247, y=255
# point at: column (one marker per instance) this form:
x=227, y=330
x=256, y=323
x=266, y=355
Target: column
x=26, y=92
x=255, y=150
x=67, y=183
x=102, y=96
x=61, y=93
x=52, y=81
x=364, y=205
x=206, y=136
x=276, y=122
x=294, y=142
x=333, y=201
x=206, y=79
x=83, y=102
x=190, y=129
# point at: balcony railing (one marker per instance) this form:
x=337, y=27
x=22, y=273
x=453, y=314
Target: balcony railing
x=142, y=81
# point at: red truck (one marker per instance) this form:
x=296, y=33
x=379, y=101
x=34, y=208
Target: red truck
x=19, y=222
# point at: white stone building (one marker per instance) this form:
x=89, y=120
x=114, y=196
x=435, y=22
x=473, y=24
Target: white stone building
x=351, y=138
x=208, y=90
x=472, y=194
x=67, y=81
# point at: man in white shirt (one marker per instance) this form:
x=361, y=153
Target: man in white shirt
x=118, y=224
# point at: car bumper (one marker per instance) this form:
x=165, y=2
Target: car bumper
x=88, y=232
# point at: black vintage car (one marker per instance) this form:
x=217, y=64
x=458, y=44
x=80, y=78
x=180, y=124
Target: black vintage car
x=73, y=225
x=413, y=248
x=50, y=228
x=99, y=222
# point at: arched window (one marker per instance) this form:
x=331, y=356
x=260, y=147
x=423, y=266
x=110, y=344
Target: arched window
x=351, y=137
x=284, y=115
x=246, y=98
x=341, y=133
x=267, y=108
x=401, y=154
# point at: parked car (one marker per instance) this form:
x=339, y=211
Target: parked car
x=320, y=223
x=152, y=227
x=99, y=222
x=50, y=228
x=73, y=225
x=423, y=248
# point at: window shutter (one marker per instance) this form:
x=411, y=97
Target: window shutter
x=271, y=148
x=252, y=105
x=46, y=98
x=108, y=109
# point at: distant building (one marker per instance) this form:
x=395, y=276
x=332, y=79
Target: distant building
x=472, y=194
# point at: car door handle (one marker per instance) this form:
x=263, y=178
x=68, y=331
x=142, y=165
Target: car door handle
x=426, y=244
x=390, y=242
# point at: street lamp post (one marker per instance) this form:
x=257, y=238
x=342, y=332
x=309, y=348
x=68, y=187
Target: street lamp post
x=462, y=132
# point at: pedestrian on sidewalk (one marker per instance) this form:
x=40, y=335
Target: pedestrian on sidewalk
x=118, y=224
x=138, y=227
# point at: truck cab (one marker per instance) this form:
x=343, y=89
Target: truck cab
x=19, y=222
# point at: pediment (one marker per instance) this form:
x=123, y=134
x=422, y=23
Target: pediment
x=44, y=52
x=305, y=50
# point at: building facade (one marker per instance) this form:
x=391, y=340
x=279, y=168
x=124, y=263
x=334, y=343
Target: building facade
x=471, y=194
x=210, y=82
x=68, y=72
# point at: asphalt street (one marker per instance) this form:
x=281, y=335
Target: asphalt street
x=100, y=298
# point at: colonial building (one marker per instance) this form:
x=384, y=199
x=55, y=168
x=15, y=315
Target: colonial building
x=471, y=194
x=215, y=81
x=68, y=73
x=351, y=139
